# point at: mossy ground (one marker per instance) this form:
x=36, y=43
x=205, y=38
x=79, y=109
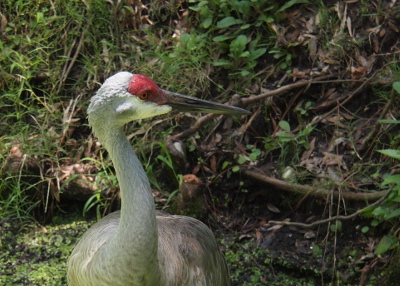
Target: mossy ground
x=37, y=255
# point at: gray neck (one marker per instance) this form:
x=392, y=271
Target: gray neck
x=136, y=240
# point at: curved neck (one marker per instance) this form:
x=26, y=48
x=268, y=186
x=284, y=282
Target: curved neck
x=137, y=231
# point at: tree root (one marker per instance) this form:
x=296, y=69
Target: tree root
x=311, y=190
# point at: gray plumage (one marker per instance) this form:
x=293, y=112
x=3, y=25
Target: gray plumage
x=139, y=246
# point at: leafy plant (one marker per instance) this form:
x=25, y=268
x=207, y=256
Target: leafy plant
x=104, y=179
x=290, y=143
x=231, y=25
x=390, y=211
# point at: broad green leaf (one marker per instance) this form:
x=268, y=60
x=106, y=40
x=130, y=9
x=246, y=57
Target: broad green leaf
x=225, y=164
x=285, y=135
x=227, y=22
x=374, y=222
x=244, y=73
x=237, y=46
x=266, y=19
x=393, y=214
x=207, y=23
x=241, y=160
x=284, y=125
x=391, y=179
x=365, y=229
x=289, y=4
x=245, y=54
x=385, y=244
x=257, y=53
x=391, y=153
x=236, y=169
x=396, y=86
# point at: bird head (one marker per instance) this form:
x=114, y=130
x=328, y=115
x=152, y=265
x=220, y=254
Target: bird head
x=125, y=97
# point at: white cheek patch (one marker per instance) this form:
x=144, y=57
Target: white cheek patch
x=125, y=108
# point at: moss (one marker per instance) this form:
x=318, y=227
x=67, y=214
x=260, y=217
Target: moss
x=37, y=255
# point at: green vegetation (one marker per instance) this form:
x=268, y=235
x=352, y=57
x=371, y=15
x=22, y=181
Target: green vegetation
x=339, y=130
x=37, y=256
x=390, y=211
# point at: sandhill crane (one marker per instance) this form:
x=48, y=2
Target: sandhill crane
x=137, y=245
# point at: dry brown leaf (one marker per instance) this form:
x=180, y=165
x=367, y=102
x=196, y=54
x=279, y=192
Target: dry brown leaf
x=334, y=173
x=393, y=27
x=243, y=236
x=307, y=154
x=332, y=159
x=309, y=234
x=259, y=236
x=275, y=227
x=312, y=165
x=3, y=23
x=213, y=163
x=313, y=47
x=273, y=208
x=382, y=32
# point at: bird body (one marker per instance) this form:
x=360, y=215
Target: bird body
x=137, y=245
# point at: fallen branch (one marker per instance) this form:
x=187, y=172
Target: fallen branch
x=334, y=218
x=193, y=128
x=302, y=83
x=311, y=190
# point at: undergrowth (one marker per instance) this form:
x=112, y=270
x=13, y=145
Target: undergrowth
x=55, y=55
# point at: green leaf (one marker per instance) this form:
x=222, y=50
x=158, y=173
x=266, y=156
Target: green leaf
x=391, y=179
x=266, y=19
x=244, y=73
x=387, y=242
x=222, y=63
x=241, y=160
x=285, y=136
x=391, y=153
x=284, y=125
x=236, y=169
x=380, y=211
x=337, y=226
x=165, y=160
x=222, y=38
x=394, y=214
x=375, y=222
x=257, y=53
x=365, y=229
x=389, y=121
x=396, y=86
x=227, y=22
x=225, y=164
x=237, y=46
x=245, y=54
x=289, y=4
x=207, y=23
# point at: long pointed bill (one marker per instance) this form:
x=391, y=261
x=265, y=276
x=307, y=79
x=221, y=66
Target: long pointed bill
x=192, y=104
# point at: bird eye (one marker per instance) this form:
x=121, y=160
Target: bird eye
x=144, y=95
